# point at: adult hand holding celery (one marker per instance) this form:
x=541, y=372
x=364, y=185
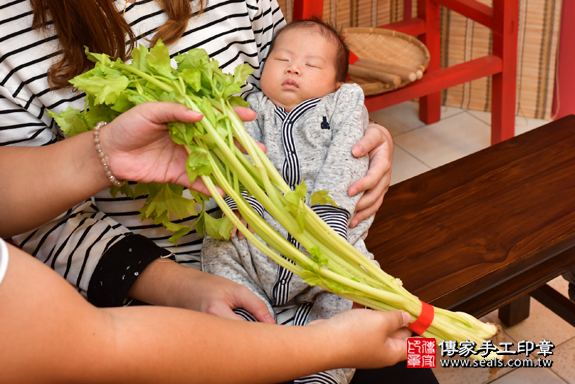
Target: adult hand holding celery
x=113, y=87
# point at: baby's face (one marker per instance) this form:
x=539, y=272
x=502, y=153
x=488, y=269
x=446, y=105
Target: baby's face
x=300, y=67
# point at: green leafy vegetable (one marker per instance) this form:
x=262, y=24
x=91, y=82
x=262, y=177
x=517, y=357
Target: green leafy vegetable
x=322, y=197
x=112, y=87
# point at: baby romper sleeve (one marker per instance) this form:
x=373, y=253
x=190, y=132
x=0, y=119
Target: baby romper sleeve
x=340, y=168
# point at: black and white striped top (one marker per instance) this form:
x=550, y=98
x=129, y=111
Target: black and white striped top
x=101, y=246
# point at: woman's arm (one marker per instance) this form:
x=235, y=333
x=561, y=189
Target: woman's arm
x=165, y=282
x=46, y=181
x=378, y=142
x=50, y=334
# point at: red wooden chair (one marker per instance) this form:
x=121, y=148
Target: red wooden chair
x=502, y=19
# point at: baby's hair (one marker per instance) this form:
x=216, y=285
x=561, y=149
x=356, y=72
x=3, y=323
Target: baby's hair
x=328, y=31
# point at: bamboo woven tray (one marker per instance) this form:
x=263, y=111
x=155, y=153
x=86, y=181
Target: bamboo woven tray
x=388, y=59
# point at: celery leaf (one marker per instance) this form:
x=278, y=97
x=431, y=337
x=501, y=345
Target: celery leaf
x=322, y=197
x=318, y=257
x=294, y=203
x=125, y=189
x=165, y=199
x=242, y=72
x=192, y=77
x=139, y=58
x=218, y=228
x=159, y=60
x=70, y=121
x=106, y=87
x=178, y=229
x=97, y=113
x=198, y=163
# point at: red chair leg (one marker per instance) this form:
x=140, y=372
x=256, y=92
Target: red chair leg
x=503, y=93
x=430, y=105
x=406, y=9
x=304, y=9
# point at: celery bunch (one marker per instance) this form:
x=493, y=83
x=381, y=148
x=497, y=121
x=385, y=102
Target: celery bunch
x=113, y=87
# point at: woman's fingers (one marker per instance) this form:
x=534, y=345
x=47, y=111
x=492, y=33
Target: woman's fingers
x=365, y=213
x=165, y=112
x=372, y=138
x=258, y=309
x=376, y=183
x=380, y=150
x=369, y=339
x=246, y=299
x=198, y=185
x=402, y=333
x=369, y=203
x=155, y=115
x=145, y=125
x=245, y=225
x=241, y=148
x=230, y=296
x=245, y=114
x=395, y=344
x=235, y=230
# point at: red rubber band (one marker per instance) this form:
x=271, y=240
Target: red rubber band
x=424, y=320
x=352, y=57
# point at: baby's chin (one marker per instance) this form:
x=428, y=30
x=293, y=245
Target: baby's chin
x=288, y=103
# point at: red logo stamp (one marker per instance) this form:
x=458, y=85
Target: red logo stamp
x=420, y=352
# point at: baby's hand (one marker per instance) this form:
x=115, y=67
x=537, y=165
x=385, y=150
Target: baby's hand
x=235, y=230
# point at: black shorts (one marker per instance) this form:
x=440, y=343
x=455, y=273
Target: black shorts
x=396, y=374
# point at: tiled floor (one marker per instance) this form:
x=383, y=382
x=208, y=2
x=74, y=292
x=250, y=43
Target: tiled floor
x=419, y=148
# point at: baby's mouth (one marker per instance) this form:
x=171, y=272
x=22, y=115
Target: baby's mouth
x=290, y=84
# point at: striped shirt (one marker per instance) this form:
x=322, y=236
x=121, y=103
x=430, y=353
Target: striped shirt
x=100, y=246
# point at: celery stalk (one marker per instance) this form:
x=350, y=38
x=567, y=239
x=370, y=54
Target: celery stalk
x=335, y=265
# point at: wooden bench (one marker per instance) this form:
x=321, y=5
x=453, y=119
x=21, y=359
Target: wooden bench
x=487, y=230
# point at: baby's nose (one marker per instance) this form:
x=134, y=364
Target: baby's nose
x=293, y=70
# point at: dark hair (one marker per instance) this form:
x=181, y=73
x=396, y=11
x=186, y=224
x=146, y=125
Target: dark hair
x=98, y=25
x=328, y=31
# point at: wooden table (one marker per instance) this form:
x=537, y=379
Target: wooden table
x=483, y=231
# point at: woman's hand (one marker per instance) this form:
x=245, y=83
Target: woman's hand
x=139, y=146
x=167, y=283
x=216, y=295
x=377, y=141
x=245, y=224
x=366, y=338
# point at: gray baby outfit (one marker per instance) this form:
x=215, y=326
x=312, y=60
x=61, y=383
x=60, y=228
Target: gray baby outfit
x=313, y=143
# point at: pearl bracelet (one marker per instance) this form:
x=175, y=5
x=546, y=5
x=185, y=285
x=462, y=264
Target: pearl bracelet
x=103, y=157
